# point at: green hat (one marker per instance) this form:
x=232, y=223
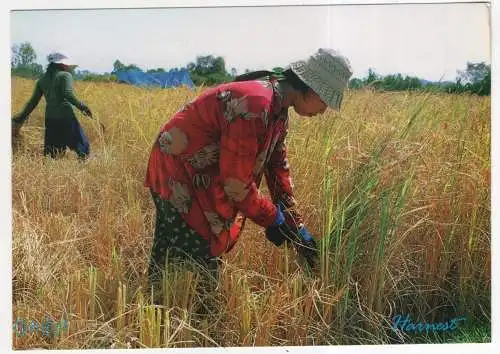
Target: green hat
x=327, y=73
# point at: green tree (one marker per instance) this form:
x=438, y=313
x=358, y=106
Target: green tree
x=474, y=72
x=23, y=61
x=118, y=65
x=476, y=78
x=372, y=77
x=26, y=54
x=355, y=83
x=132, y=67
x=157, y=70
x=208, y=70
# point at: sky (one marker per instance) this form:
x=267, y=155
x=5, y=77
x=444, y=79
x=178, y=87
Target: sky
x=431, y=41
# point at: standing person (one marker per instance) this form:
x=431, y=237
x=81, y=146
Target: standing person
x=62, y=128
x=208, y=160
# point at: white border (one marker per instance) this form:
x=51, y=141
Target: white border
x=5, y=190
x=73, y=4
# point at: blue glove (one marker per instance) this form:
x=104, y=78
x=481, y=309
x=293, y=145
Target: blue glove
x=280, y=217
x=307, y=247
x=304, y=233
x=299, y=237
x=275, y=233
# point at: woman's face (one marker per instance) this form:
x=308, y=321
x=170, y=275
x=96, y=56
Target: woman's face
x=309, y=104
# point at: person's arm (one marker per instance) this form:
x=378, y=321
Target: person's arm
x=279, y=182
x=67, y=89
x=238, y=152
x=281, y=188
x=30, y=105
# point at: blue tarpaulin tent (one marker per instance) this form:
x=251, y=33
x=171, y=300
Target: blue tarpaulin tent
x=157, y=79
x=173, y=78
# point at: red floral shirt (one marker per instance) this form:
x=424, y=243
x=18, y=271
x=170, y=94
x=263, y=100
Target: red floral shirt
x=209, y=159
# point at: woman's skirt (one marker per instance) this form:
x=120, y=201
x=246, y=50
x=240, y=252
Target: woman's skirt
x=65, y=133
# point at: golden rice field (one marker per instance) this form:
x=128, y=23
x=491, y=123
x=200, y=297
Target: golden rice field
x=397, y=187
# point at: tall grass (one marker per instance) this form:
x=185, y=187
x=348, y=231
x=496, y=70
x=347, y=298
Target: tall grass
x=396, y=187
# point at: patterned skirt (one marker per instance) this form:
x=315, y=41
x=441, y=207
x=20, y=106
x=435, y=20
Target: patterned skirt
x=175, y=243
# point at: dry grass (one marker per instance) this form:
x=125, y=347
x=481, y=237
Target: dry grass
x=397, y=186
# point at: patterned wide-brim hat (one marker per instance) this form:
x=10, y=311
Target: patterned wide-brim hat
x=326, y=72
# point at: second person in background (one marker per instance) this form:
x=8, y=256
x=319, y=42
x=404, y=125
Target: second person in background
x=62, y=129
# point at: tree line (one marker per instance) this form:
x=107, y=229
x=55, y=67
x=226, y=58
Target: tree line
x=209, y=70
x=475, y=79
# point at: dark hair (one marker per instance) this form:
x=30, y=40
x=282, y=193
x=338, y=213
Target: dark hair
x=295, y=81
x=52, y=68
x=255, y=75
x=288, y=75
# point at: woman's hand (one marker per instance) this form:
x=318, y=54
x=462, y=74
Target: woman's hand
x=306, y=247
x=86, y=111
x=16, y=128
x=299, y=237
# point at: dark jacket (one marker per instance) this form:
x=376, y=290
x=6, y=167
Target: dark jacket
x=56, y=86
